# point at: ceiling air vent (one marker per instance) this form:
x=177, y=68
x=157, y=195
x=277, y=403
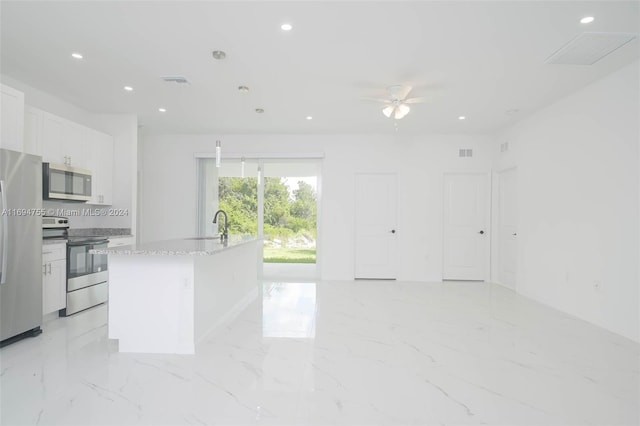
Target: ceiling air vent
x=465, y=153
x=589, y=48
x=178, y=79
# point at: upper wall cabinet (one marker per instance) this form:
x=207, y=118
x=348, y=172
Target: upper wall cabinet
x=101, y=165
x=33, y=130
x=12, y=118
x=52, y=139
x=63, y=142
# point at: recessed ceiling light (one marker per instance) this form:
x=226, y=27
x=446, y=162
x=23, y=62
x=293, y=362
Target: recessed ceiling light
x=286, y=27
x=462, y=117
x=243, y=89
x=162, y=109
x=259, y=110
x=309, y=117
x=512, y=111
x=218, y=54
x=587, y=20
x=76, y=55
x=128, y=88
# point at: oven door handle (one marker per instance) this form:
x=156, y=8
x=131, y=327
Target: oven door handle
x=87, y=243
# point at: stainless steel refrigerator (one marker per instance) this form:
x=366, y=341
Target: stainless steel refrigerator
x=20, y=245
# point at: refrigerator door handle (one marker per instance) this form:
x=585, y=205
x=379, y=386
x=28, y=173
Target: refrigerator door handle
x=4, y=237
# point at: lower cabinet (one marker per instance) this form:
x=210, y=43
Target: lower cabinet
x=121, y=241
x=54, y=277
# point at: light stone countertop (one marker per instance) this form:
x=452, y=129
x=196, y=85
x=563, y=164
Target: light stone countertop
x=181, y=247
x=106, y=232
x=115, y=237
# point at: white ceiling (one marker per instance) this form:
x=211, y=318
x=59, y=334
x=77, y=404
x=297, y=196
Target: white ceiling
x=475, y=58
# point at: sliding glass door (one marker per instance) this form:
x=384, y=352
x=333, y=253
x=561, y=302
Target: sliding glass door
x=290, y=212
x=274, y=198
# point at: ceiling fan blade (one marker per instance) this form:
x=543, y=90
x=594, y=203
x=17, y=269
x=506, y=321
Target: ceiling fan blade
x=404, y=91
x=417, y=100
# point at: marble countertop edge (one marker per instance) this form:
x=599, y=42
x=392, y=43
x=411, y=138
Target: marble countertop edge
x=180, y=247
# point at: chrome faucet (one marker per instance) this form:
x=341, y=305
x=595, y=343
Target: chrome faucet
x=225, y=230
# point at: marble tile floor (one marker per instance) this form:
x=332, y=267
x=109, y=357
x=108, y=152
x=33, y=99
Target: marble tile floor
x=290, y=272
x=343, y=353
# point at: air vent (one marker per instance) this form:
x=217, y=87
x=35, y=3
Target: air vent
x=178, y=79
x=589, y=48
x=465, y=153
x=504, y=147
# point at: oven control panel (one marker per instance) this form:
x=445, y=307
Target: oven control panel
x=55, y=222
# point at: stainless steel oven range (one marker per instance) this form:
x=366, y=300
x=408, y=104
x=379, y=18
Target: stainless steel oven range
x=87, y=274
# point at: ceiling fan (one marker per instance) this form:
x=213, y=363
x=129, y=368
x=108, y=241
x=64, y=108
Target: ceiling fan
x=397, y=104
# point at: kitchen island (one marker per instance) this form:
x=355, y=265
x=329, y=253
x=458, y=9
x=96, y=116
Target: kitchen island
x=166, y=296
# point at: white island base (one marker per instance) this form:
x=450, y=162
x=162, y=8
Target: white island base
x=165, y=297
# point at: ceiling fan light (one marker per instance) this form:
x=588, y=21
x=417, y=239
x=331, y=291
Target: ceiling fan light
x=388, y=110
x=401, y=111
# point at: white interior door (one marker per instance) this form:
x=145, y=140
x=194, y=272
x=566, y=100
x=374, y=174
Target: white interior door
x=375, y=226
x=466, y=236
x=507, y=227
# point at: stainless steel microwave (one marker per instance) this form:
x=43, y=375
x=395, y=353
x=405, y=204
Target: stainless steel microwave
x=61, y=182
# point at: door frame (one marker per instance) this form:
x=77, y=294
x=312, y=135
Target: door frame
x=488, y=221
x=495, y=233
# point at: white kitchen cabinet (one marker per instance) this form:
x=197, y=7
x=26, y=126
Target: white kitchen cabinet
x=54, y=277
x=74, y=144
x=63, y=141
x=101, y=166
x=121, y=241
x=11, y=118
x=33, y=118
x=52, y=127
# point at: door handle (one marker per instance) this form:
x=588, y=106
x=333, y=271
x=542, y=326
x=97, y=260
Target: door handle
x=49, y=268
x=393, y=231
x=514, y=234
x=481, y=232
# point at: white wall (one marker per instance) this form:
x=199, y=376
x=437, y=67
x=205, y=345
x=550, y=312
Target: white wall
x=168, y=188
x=124, y=129
x=578, y=189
